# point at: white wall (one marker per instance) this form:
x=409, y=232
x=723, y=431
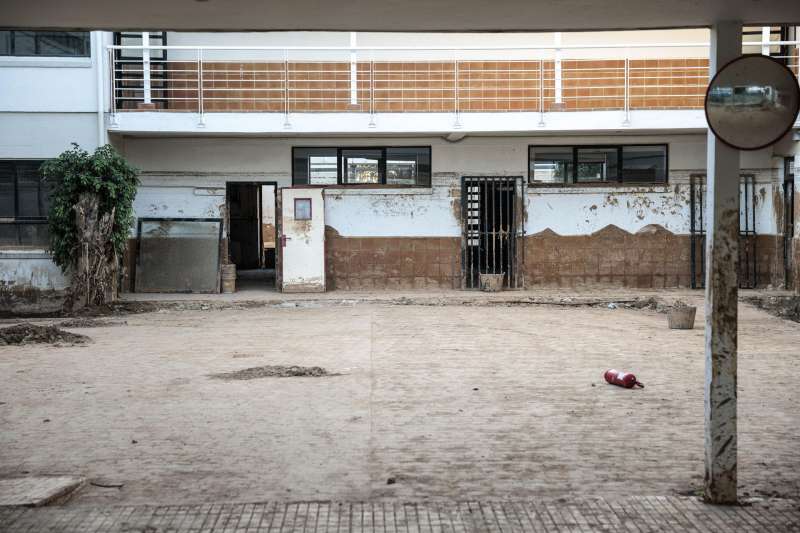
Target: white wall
x=39, y=85
x=45, y=135
x=29, y=268
x=45, y=105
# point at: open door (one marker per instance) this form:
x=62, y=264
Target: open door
x=301, y=236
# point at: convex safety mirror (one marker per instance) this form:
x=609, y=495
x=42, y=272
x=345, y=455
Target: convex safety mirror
x=752, y=102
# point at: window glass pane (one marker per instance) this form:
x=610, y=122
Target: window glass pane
x=45, y=43
x=408, y=166
x=361, y=166
x=314, y=166
x=644, y=164
x=597, y=164
x=31, y=191
x=62, y=43
x=7, y=177
x=34, y=234
x=8, y=234
x=551, y=164
x=24, y=43
x=5, y=43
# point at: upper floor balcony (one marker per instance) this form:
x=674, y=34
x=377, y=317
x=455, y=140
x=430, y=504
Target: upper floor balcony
x=425, y=90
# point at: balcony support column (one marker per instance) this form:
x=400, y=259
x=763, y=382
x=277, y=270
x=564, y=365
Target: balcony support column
x=148, y=97
x=353, y=70
x=721, y=293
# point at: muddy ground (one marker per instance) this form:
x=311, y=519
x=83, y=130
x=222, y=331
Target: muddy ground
x=462, y=402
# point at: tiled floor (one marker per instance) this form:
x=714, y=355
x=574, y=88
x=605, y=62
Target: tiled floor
x=634, y=515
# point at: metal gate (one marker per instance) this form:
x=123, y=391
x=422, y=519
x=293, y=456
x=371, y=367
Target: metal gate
x=493, y=229
x=788, y=222
x=748, y=259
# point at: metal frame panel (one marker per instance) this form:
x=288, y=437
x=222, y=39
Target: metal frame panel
x=493, y=228
x=177, y=219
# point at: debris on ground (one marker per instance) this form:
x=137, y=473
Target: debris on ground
x=106, y=485
x=274, y=371
x=241, y=355
x=90, y=323
x=787, y=307
x=33, y=334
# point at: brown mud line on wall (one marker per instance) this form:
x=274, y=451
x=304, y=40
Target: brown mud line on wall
x=651, y=258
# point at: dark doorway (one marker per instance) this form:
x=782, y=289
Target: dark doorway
x=490, y=225
x=251, y=232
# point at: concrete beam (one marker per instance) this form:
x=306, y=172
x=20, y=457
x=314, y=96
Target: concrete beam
x=722, y=256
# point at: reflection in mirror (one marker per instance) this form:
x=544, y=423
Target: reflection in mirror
x=752, y=102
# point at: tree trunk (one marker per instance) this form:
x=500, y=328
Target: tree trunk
x=94, y=272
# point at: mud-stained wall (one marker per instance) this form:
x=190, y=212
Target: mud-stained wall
x=411, y=237
x=30, y=283
x=366, y=263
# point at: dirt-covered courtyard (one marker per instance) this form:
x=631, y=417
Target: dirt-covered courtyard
x=412, y=402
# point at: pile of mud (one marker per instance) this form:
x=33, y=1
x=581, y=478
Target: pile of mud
x=32, y=334
x=90, y=323
x=787, y=307
x=274, y=371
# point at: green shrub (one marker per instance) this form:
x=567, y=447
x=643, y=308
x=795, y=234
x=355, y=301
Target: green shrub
x=76, y=172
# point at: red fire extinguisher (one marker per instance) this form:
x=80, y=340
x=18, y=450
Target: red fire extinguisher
x=622, y=379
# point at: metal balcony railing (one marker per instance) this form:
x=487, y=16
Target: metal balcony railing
x=539, y=79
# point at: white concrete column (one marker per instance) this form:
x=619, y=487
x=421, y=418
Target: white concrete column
x=557, y=67
x=722, y=256
x=146, y=67
x=353, y=69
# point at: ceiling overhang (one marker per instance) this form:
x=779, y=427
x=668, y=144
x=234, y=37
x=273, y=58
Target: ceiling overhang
x=391, y=15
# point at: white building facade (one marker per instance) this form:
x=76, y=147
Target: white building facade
x=550, y=159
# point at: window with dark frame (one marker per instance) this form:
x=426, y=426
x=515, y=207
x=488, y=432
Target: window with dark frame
x=611, y=164
x=24, y=204
x=30, y=43
x=302, y=208
x=395, y=165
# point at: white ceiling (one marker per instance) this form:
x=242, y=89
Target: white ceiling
x=391, y=15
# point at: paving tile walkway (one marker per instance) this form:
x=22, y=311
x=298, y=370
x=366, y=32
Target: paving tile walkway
x=635, y=514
